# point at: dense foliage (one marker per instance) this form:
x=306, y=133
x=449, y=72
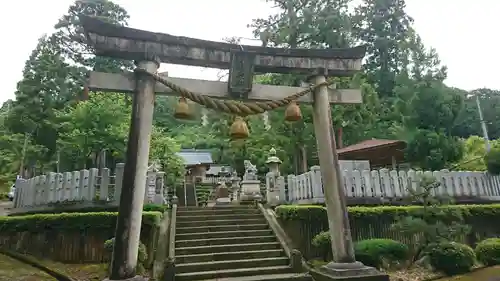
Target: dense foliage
x=452, y=258
x=432, y=223
x=381, y=253
x=488, y=251
x=142, y=254
x=49, y=127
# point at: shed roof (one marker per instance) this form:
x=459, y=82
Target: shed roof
x=379, y=152
x=369, y=144
x=195, y=157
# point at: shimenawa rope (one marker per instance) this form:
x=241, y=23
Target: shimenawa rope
x=231, y=106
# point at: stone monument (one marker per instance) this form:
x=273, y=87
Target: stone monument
x=250, y=185
x=272, y=190
x=235, y=186
x=222, y=195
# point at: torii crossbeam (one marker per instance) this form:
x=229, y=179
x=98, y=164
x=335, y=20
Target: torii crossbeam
x=149, y=49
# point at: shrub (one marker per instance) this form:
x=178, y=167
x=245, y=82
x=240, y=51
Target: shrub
x=142, y=255
x=488, y=251
x=492, y=160
x=323, y=243
x=377, y=252
x=452, y=258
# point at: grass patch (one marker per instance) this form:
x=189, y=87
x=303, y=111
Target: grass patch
x=90, y=272
x=13, y=270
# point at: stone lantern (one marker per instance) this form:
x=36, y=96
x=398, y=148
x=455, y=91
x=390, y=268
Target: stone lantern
x=272, y=186
x=273, y=162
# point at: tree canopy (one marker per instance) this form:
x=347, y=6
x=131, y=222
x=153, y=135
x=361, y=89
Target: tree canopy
x=51, y=124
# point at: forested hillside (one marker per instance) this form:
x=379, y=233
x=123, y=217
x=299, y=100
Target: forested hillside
x=52, y=125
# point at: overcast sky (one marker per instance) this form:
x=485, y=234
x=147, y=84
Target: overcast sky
x=464, y=33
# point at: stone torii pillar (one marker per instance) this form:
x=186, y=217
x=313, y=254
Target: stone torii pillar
x=242, y=61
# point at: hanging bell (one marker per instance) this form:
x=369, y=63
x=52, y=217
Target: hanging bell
x=182, y=109
x=239, y=129
x=292, y=112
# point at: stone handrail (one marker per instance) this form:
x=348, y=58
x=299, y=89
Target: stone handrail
x=169, y=273
x=84, y=187
x=382, y=185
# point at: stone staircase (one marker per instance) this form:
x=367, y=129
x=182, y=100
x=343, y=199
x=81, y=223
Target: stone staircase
x=229, y=243
x=203, y=193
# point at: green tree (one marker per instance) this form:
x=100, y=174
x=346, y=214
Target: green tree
x=99, y=123
x=54, y=73
x=48, y=84
x=14, y=157
x=474, y=152
x=164, y=149
x=69, y=36
x=384, y=26
x=468, y=122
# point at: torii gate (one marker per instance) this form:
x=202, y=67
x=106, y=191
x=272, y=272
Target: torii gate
x=148, y=49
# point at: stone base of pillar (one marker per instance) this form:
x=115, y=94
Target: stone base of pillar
x=136, y=278
x=223, y=201
x=355, y=271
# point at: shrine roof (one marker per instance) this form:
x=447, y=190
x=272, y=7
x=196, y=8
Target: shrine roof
x=370, y=144
x=195, y=156
x=217, y=168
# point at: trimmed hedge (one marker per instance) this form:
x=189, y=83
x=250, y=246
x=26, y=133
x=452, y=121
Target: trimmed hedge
x=69, y=221
x=64, y=209
x=452, y=258
x=318, y=212
x=304, y=222
x=488, y=251
x=71, y=237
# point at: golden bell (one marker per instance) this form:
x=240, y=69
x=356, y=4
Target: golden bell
x=239, y=129
x=182, y=109
x=292, y=112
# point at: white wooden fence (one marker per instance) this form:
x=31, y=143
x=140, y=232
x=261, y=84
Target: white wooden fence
x=307, y=188
x=82, y=186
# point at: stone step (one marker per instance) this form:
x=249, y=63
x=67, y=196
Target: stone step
x=221, y=265
x=182, y=251
x=225, y=240
x=229, y=256
x=260, y=220
x=268, y=277
x=220, y=228
x=237, y=207
x=198, y=217
x=223, y=234
x=228, y=273
x=217, y=212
